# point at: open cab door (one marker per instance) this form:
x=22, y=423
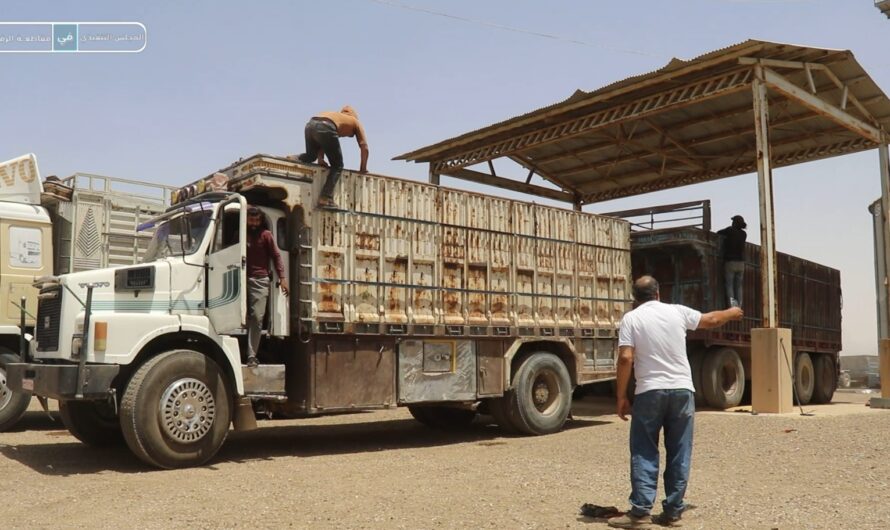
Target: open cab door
x=225, y=296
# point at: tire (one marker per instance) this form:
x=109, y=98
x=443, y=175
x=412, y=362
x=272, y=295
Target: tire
x=542, y=394
x=723, y=378
x=12, y=404
x=696, y=365
x=174, y=385
x=92, y=422
x=804, y=378
x=442, y=417
x=826, y=378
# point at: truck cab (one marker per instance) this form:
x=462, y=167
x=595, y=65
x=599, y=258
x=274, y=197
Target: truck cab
x=25, y=254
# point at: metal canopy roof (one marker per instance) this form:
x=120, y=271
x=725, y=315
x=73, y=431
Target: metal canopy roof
x=688, y=122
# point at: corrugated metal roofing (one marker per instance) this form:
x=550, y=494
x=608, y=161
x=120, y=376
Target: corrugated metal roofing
x=687, y=122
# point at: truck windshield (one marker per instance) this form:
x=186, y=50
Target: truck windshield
x=177, y=235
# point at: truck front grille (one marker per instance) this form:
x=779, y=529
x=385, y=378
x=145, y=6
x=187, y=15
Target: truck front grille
x=49, y=316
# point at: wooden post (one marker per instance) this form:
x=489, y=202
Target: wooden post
x=434, y=177
x=881, y=255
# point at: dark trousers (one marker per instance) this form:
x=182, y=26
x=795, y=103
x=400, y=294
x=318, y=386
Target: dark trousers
x=322, y=134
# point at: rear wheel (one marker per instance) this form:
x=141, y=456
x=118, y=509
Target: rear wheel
x=441, y=416
x=826, y=378
x=92, y=422
x=542, y=394
x=723, y=378
x=804, y=377
x=176, y=410
x=12, y=404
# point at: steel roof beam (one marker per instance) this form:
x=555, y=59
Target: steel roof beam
x=515, y=185
x=782, y=85
x=730, y=170
x=681, y=96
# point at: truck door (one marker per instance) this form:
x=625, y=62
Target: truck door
x=226, y=296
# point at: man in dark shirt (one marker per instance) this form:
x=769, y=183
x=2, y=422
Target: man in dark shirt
x=261, y=249
x=734, y=259
x=323, y=133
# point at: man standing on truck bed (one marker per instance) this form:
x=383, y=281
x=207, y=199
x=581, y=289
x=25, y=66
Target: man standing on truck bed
x=261, y=249
x=734, y=259
x=652, y=342
x=323, y=134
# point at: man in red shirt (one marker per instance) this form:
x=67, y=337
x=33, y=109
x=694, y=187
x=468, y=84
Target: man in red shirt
x=261, y=249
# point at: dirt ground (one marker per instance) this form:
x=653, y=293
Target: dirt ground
x=384, y=470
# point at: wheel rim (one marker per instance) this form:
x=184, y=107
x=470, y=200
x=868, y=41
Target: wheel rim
x=5, y=392
x=545, y=392
x=187, y=410
x=729, y=378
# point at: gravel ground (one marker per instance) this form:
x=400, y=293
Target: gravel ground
x=383, y=470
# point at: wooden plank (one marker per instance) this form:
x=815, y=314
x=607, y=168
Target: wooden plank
x=767, y=211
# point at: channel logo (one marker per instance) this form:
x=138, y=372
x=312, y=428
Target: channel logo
x=72, y=37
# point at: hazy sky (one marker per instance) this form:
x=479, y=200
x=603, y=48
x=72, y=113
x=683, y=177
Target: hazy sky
x=221, y=80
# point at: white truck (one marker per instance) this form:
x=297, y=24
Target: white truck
x=83, y=222
x=448, y=302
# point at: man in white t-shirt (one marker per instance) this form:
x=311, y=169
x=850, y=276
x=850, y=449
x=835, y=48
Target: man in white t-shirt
x=652, y=343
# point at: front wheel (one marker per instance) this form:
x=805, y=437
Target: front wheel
x=542, y=394
x=12, y=404
x=92, y=422
x=176, y=410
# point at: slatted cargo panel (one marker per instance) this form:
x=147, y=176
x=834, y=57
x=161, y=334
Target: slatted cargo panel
x=97, y=229
x=406, y=254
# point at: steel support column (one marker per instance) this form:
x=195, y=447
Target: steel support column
x=884, y=237
x=765, y=189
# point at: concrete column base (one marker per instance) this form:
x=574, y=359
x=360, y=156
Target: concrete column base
x=879, y=403
x=771, y=382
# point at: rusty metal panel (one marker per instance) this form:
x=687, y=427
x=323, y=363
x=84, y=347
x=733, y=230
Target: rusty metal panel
x=546, y=270
x=501, y=215
x=424, y=262
x=454, y=252
x=411, y=200
x=586, y=264
x=565, y=284
x=523, y=219
x=368, y=193
x=478, y=211
x=490, y=357
x=366, y=269
x=350, y=374
x=437, y=370
x=396, y=243
x=501, y=308
x=452, y=207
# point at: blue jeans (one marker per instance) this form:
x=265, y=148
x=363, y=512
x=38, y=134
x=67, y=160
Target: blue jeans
x=672, y=410
x=734, y=281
